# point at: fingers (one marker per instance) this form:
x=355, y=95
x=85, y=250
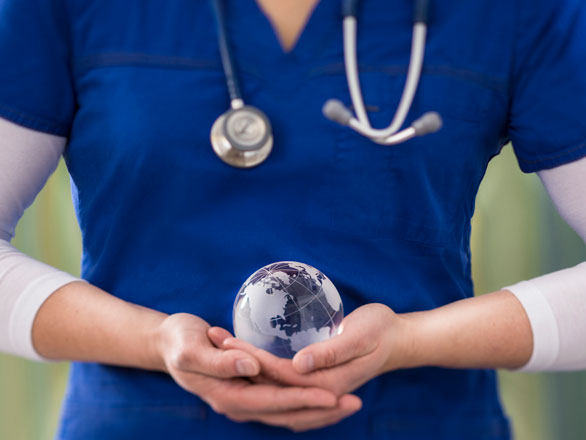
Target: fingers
x=185, y=346
x=245, y=366
x=206, y=359
x=343, y=379
x=217, y=335
x=240, y=397
x=350, y=344
x=305, y=419
x=231, y=363
x=273, y=368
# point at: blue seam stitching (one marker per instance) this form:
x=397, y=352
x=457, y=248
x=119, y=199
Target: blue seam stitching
x=490, y=82
x=554, y=157
x=36, y=121
x=89, y=62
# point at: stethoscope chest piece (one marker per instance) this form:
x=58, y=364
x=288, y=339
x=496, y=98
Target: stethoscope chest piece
x=242, y=137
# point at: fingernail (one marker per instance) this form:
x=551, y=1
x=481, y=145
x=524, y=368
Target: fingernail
x=245, y=367
x=305, y=363
x=228, y=341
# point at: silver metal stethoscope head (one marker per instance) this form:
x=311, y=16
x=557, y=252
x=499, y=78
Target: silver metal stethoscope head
x=335, y=110
x=242, y=137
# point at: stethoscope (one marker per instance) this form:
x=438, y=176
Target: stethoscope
x=242, y=136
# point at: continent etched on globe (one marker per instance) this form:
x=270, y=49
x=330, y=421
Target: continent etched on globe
x=286, y=306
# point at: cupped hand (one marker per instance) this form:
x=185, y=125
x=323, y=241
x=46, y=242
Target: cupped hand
x=219, y=377
x=372, y=341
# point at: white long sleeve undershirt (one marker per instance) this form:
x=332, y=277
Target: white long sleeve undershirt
x=27, y=159
x=555, y=303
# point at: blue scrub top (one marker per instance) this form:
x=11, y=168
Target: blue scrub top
x=136, y=86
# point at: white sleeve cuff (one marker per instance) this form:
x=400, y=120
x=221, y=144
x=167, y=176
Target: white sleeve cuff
x=25, y=284
x=25, y=310
x=546, y=339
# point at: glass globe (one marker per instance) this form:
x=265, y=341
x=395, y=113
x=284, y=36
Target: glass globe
x=286, y=306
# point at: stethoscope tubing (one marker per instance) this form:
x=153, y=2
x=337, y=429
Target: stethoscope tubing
x=361, y=124
x=226, y=55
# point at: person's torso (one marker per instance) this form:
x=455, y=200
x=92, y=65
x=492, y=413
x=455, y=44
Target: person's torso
x=167, y=225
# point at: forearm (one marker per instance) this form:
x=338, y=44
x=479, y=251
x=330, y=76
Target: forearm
x=495, y=330
x=82, y=322
x=489, y=331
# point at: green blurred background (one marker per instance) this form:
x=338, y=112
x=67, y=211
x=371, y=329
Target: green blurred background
x=517, y=235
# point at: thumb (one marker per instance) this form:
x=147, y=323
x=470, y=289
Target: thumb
x=338, y=350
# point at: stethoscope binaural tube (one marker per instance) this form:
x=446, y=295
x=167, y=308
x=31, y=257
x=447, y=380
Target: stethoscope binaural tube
x=334, y=109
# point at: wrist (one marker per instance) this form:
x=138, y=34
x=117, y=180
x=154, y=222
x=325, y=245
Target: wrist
x=153, y=337
x=420, y=350
x=412, y=347
x=399, y=341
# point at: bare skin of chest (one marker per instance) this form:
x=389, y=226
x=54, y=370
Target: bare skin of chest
x=288, y=18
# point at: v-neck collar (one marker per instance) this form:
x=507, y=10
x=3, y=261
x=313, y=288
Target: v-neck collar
x=299, y=32
x=318, y=27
